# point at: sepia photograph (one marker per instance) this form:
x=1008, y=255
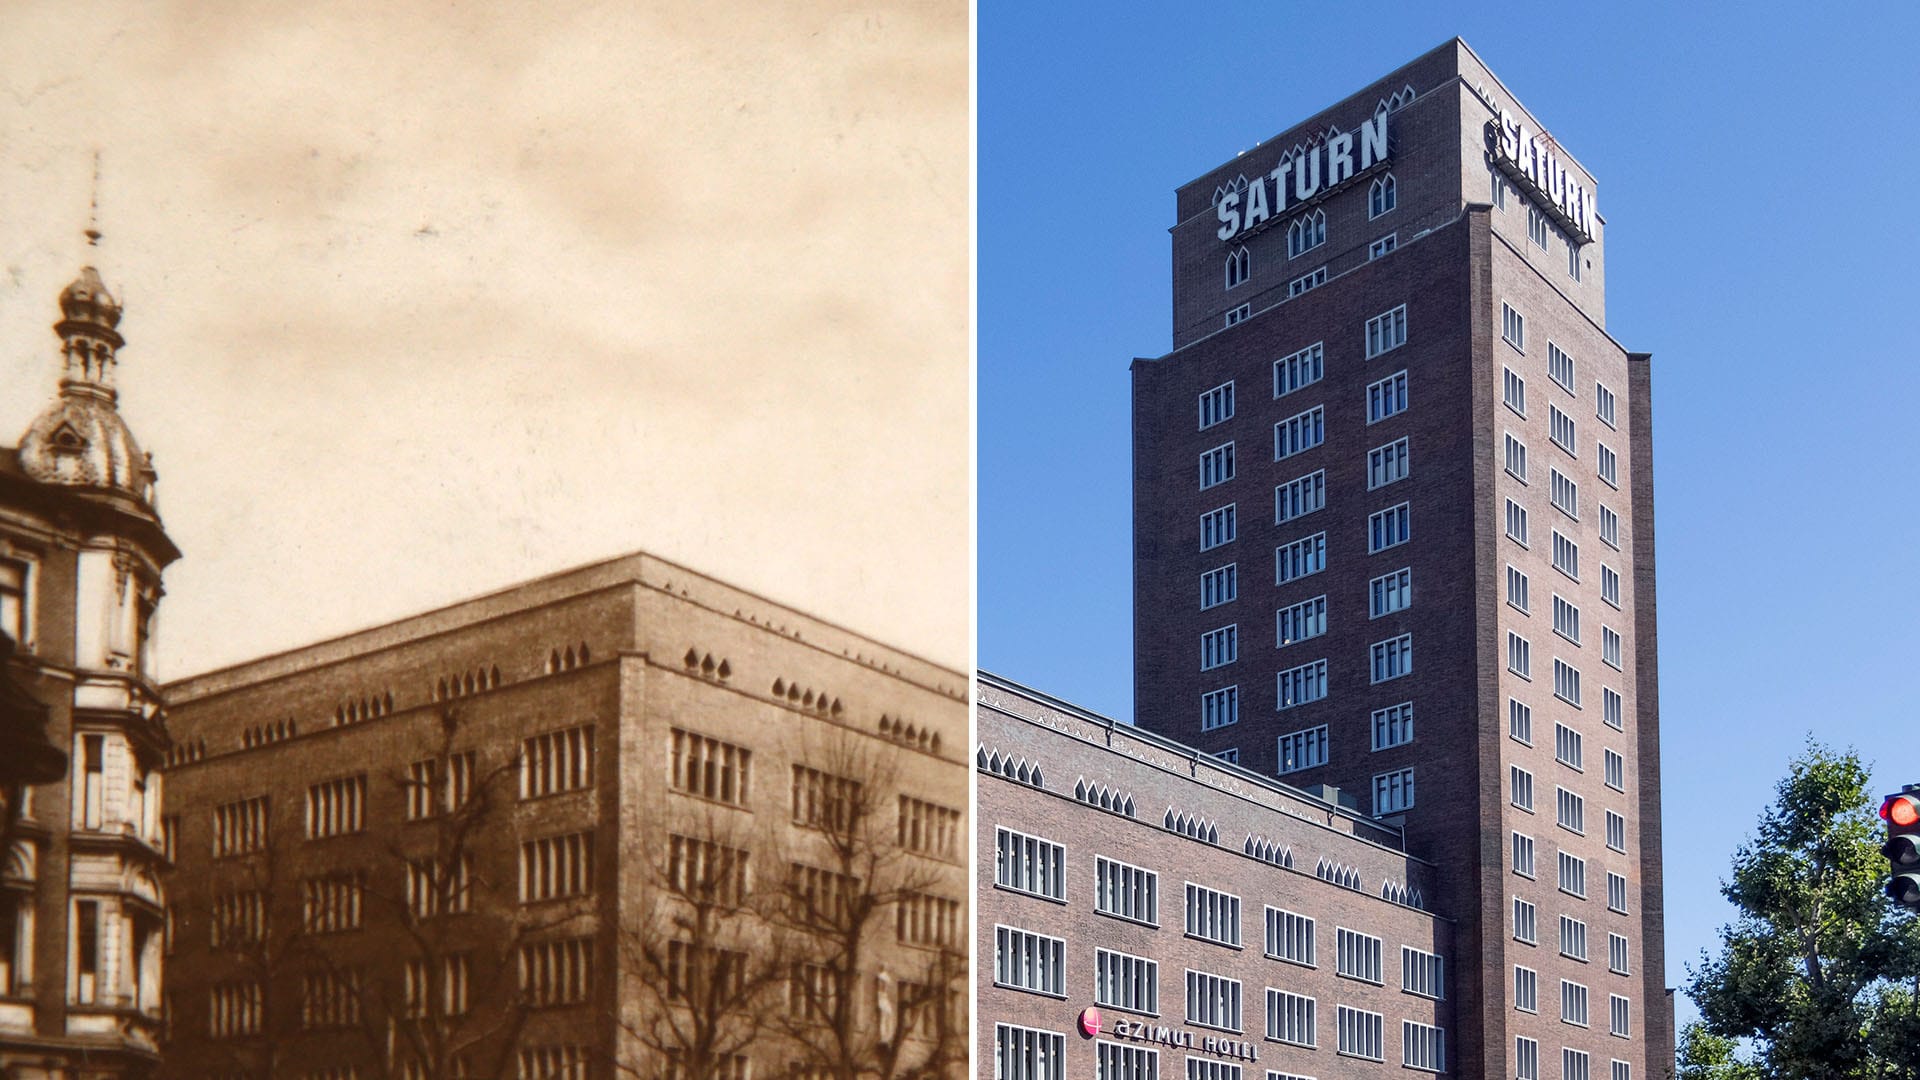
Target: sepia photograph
x=485, y=541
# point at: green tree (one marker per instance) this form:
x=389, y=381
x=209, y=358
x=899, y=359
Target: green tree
x=1814, y=979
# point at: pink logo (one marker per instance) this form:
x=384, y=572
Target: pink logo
x=1089, y=1021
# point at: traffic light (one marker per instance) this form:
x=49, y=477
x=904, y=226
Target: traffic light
x=1902, y=814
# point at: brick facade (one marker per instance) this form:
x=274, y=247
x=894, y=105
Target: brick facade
x=1465, y=250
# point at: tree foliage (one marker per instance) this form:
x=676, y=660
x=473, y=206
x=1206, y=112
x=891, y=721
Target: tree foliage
x=1814, y=979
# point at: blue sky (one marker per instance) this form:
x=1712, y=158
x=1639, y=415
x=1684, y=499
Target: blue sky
x=1757, y=174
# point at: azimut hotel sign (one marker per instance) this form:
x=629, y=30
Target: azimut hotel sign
x=1305, y=174
x=1530, y=161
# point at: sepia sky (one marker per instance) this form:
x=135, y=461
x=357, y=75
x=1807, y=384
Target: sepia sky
x=423, y=301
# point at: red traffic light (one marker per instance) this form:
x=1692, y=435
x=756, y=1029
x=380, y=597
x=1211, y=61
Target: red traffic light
x=1901, y=810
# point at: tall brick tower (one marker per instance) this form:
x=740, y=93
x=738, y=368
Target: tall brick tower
x=1393, y=531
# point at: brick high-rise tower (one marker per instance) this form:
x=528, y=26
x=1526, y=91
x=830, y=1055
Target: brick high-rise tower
x=1393, y=530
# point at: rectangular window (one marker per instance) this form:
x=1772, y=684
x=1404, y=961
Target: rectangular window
x=1028, y=961
x=1423, y=1046
x=1022, y=1054
x=929, y=828
x=1358, y=955
x=1217, y=527
x=1306, y=619
x=1573, y=875
x=1388, y=397
x=1573, y=260
x=1303, y=368
x=1513, y=391
x=1616, y=831
x=555, y=866
x=1519, y=655
x=332, y=902
x=1216, y=405
x=1303, y=749
x=1392, y=658
x=1609, y=466
x=1389, y=593
x=1213, y=915
x=1239, y=314
x=1360, y=1033
x=1526, y=989
x=1537, y=227
x=1290, y=937
x=1622, y=1070
x=1573, y=938
x=1609, y=585
x=1387, y=331
x=1609, y=527
x=1573, y=1003
x=1029, y=864
x=1526, y=1058
x=1310, y=280
x=1566, y=619
x=1566, y=681
x=1520, y=788
x=1516, y=523
x=1603, y=403
x=1566, y=746
x=1523, y=854
x=1516, y=457
x=1219, y=585
x=1616, y=892
x=1573, y=1064
x=1560, y=429
x=1127, y=982
x=13, y=599
x=1616, y=771
x=1300, y=432
x=1126, y=892
x=1213, y=1001
x=1422, y=973
x=440, y=888
x=1517, y=589
x=240, y=827
x=1566, y=556
x=1290, y=1018
x=556, y=761
x=1302, y=684
x=1611, y=708
x=1571, y=813
x=1298, y=498
x=1519, y=722
x=1513, y=327
x=1392, y=792
x=1300, y=558
x=706, y=871
x=1386, y=464
x=1383, y=246
x=822, y=800
x=1232, y=754
x=1617, y=954
x=1525, y=922
x=561, y=972
x=1218, y=708
x=1560, y=367
x=337, y=807
x=1219, y=647
x=1216, y=466
x=710, y=769
x=1388, y=528
x=1393, y=726
x=1498, y=193
x=1619, y=1012
x=1114, y=1061
x=1566, y=494
x=1610, y=647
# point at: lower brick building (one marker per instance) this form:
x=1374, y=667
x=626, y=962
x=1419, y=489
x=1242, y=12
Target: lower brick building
x=622, y=820
x=1150, y=910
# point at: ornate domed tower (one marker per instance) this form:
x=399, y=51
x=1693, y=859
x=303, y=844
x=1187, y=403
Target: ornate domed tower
x=82, y=915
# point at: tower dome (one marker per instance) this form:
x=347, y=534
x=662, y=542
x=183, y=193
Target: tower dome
x=80, y=440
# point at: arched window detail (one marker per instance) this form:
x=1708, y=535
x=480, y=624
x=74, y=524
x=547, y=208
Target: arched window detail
x=1306, y=232
x=1382, y=196
x=1239, y=266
